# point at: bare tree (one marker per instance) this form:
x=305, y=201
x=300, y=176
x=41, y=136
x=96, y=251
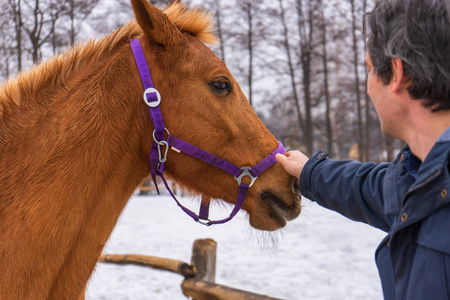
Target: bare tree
x=41, y=24
x=248, y=7
x=16, y=10
x=307, y=23
x=329, y=129
x=78, y=11
x=355, y=38
x=246, y=33
x=286, y=47
x=39, y=19
x=6, y=40
x=218, y=13
x=219, y=10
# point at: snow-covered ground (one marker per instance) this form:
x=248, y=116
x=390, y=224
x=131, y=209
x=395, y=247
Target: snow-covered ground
x=320, y=255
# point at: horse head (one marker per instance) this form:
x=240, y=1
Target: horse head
x=203, y=104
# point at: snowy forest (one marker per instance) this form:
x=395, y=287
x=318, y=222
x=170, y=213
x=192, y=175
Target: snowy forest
x=300, y=62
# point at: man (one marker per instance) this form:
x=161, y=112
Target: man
x=408, y=61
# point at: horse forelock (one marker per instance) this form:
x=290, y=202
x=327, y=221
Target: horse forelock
x=198, y=22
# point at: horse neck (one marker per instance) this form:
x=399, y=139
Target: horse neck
x=66, y=180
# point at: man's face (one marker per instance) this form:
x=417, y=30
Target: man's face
x=383, y=98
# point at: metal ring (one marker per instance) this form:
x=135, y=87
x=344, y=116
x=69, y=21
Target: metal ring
x=246, y=172
x=206, y=223
x=158, y=96
x=163, y=142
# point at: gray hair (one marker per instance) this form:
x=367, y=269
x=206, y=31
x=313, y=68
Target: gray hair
x=417, y=32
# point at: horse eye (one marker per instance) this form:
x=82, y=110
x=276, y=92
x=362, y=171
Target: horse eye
x=221, y=86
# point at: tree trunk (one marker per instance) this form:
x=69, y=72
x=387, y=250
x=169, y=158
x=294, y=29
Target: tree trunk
x=17, y=19
x=367, y=101
x=250, y=51
x=326, y=86
x=305, y=58
x=290, y=63
x=361, y=146
x=34, y=35
x=72, y=22
x=219, y=29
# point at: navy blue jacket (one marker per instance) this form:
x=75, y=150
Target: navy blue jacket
x=407, y=199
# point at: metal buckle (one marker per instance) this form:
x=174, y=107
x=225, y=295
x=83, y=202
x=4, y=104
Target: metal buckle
x=246, y=172
x=158, y=96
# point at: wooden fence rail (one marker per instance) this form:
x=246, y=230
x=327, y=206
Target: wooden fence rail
x=164, y=264
x=199, y=276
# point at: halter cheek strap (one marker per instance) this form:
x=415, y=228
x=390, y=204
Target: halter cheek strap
x=152, y=98
x=160, y=148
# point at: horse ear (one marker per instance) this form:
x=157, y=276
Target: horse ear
x=155, y=24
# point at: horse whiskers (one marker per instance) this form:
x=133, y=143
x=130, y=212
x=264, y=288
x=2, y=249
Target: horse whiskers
x=267, y=241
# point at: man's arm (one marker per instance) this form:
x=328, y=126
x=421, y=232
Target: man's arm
x=351, y=188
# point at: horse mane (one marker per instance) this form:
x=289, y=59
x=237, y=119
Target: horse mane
x=27, y=88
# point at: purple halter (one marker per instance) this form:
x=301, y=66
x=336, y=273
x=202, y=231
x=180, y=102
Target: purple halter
x=160, y=148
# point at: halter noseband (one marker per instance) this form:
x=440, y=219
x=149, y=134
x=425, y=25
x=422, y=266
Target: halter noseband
x=160, y=148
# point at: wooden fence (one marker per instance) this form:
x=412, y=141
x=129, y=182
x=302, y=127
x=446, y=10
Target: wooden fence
x=199, y=276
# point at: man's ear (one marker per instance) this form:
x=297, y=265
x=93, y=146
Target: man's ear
x=400, y=80
x=155, y=24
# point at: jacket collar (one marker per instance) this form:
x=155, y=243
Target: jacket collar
x=438, y=158
x=445, y=137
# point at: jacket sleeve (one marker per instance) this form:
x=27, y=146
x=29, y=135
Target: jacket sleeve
x=353, y=189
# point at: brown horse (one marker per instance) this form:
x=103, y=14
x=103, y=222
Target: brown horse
x=75, y=137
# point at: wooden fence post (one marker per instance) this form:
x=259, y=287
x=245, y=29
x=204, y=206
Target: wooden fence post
x=202, y=285
x=204, y=259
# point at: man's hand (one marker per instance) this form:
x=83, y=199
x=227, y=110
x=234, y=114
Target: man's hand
x=293, y=162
